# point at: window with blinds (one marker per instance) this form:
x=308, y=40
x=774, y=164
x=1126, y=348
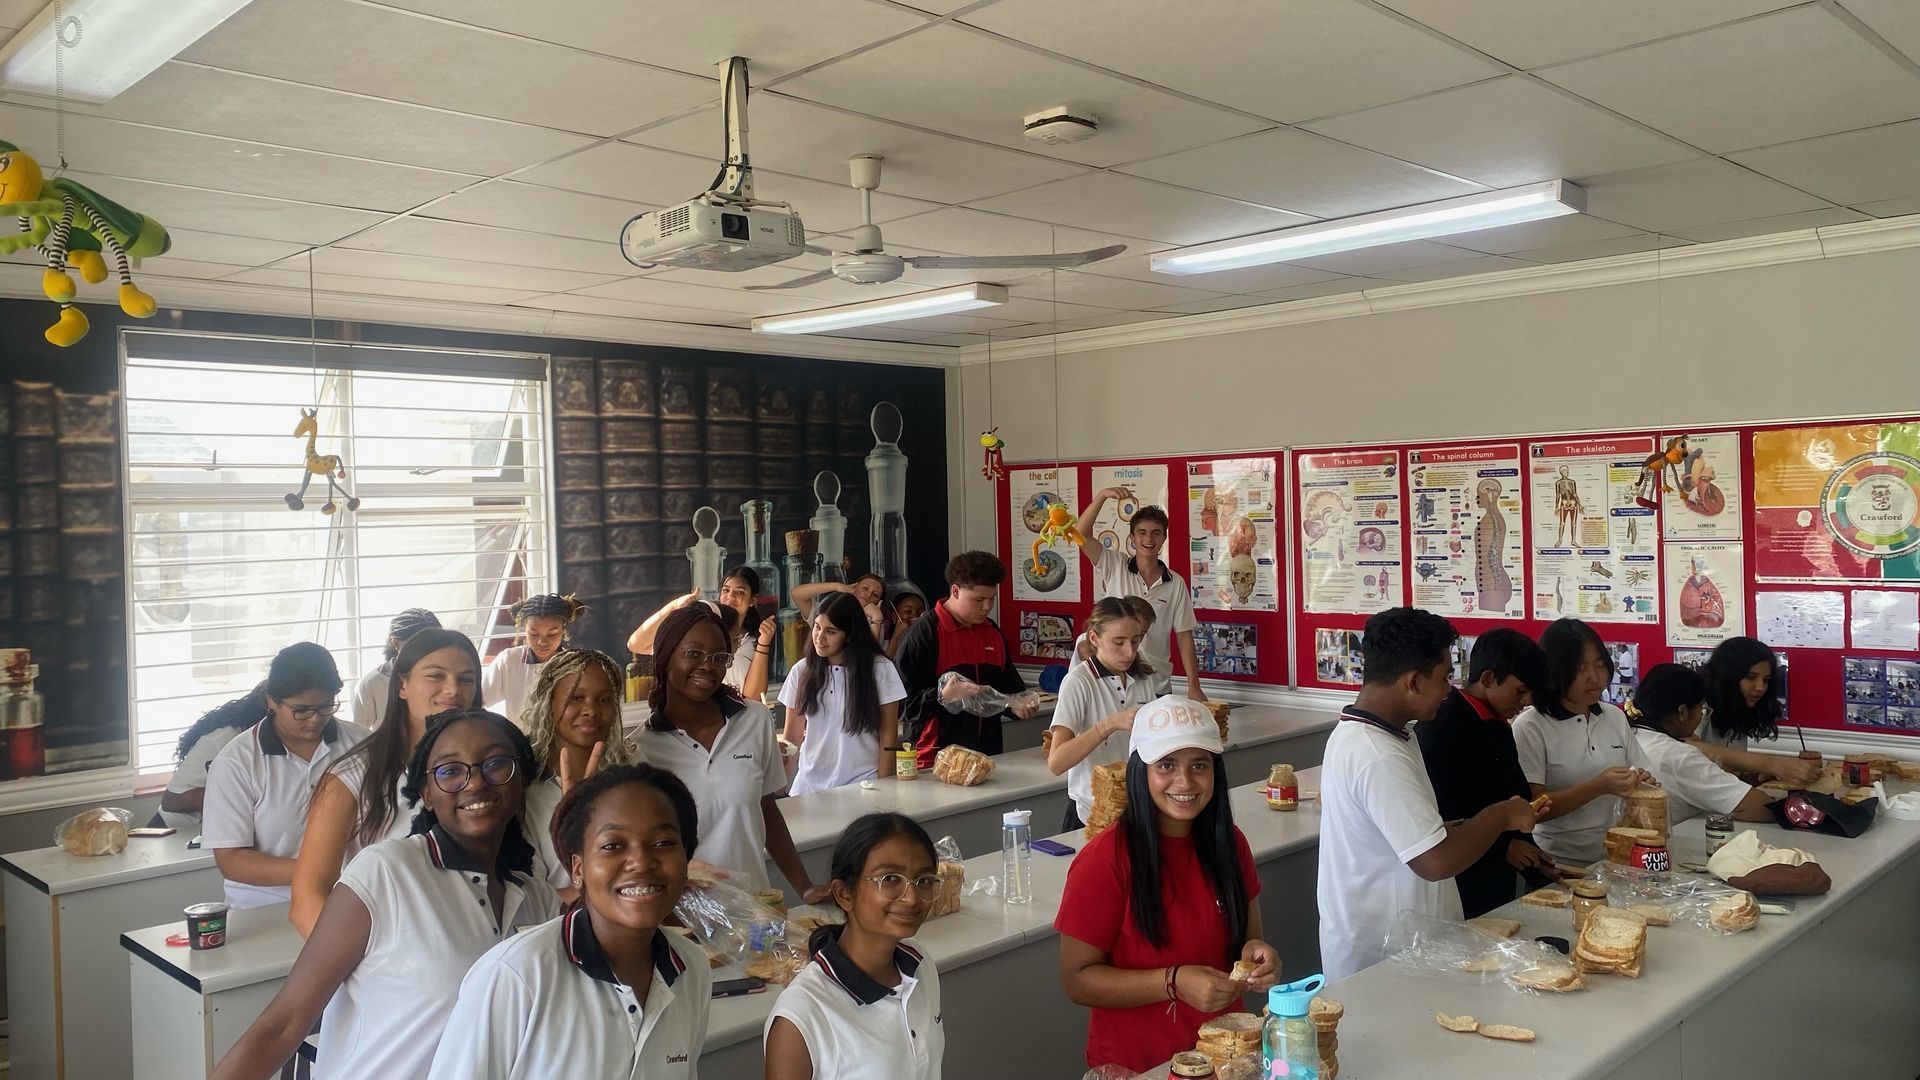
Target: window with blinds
x=447, y=452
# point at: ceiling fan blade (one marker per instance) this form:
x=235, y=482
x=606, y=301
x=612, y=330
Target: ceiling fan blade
x=1064, y=261
x=814, y=249
x=797, y=283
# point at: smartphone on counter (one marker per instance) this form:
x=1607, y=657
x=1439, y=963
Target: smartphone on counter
x=738, y=987
x=1052, y=847
x=149, y=832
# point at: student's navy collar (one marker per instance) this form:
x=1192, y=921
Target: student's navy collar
x=1356, y=713
x=583, y=949
x=270, y=743
x=1105, y=672
x=1133, y=566
x=447, y=854
x=1556, y=711
x=858, y=984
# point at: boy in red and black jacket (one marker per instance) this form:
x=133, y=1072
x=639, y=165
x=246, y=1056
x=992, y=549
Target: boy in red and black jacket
x=959, y=634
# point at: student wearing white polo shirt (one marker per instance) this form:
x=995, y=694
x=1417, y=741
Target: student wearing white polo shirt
x=867, y=1005
x=259, y=786
x=1146, y=574
x=724, y=748
x=571, y=720
x=1383, y=846
x=1097, y=701
x=186, y=796
x=1665, y=712
x=542, y=621
x=1577, y=748
x=371, y=691
x=748, y=630
x=605, y=990
x=1743, y=704
x=843, y=701
x=410, y=916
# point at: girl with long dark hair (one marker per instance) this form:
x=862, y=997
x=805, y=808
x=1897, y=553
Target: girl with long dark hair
x=843, y=701
x=1743, y=679
x=182, y=804
x=748, y=631
x=370, y=693
x=1666, y=710
x=359, y=801
x=1139, y=944
x=843, y=1014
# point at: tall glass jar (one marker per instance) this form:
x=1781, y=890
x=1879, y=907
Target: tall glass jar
x=887, y=490
x=830, y=523
x=758, y=515
x=803, y=568
x=706, y=556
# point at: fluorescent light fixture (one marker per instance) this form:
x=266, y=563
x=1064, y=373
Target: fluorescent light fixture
x=1468, y=213
x=111, y=44
x=892, y=309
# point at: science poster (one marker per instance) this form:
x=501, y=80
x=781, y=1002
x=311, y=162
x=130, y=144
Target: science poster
x=1464, y=516
x=1837, y=503
x=1046, y=567
x=1703, y=500
x=1594, y=546
x=1233, y=513
x=1350, y=522
x=1146, y=485
x=1706, y=593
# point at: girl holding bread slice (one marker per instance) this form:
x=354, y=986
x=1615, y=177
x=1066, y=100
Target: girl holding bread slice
x=867, y=1004
x=1665, y=712
x=1098, y=699
x=1141, y=946
x=1576, y=748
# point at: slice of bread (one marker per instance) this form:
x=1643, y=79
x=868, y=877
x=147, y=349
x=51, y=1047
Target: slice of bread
x=1550, y=896
x=1466, y=1025
x=1507, y=1032
x=1500, y=928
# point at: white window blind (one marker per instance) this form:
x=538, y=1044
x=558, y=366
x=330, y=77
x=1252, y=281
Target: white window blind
x=447, y=452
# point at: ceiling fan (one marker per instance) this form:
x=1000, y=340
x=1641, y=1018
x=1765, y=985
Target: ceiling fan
x=867, y=263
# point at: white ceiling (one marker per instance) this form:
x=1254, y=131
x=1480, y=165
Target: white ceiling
x=488, y=151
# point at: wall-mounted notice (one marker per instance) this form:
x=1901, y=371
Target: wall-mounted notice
x=1839, y=502
x=1706, y=592
x=1806, y=620
x=1147, y=484
x=1350, y=532
x=1465, y=520
x=1882, y=693
x=1227, y=648
x=1232, y=520
x=1050, y=570
x=1594, y=546
x=1703, y=499
x=1886, y=620
x=1337, y=657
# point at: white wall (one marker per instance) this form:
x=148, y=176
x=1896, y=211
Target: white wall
x=1826, y=337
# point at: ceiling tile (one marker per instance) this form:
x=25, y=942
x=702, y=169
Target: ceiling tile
x=1250, y=279
x=1367, y=262
x=1601, y=249
x=817, y=294
x=1287, y=59
x=387, y=264
x=1704, y=191
x=803, y=138
x=946, y=78
x=20, y=12
x=485, y=243
x=780, y=36
x=1852, y=167
x=1504, y=132
x=1811, y=219
x=1118, y=318
x=1301, y=172
x=241, y=251
x=1330, y=287
x=232, y=214
x=115, y=148
x=1891, y=207
x=165, y=266
x=1790, y=75
x=417, y=288
x=891, y=332
x=956, y=324
x=1117, y=293
x=975, y=232
x=1027, y=309
x=1128, y=206
x=513, y=205
x=1485, y=264
x=629, y=309
x=653, y=290
x=1529, y=33
x=1896, y=20
x=1567, y=229
x=380, y=51
x=226, y=103
x=1218, y=303
x=1030, y=330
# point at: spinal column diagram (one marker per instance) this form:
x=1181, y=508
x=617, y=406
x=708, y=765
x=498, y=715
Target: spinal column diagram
x=1466, y=537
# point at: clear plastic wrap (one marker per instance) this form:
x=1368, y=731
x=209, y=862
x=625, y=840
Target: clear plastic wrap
x=1424, y=945
x=960, y=694
x=730, y=923
x=953, y=877
x=99, y=831
x=1685, y=901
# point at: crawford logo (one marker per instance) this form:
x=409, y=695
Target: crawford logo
x=676, y=1059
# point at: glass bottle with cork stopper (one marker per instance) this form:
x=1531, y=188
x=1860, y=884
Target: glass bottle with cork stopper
x=757, y=514
x=803, y=568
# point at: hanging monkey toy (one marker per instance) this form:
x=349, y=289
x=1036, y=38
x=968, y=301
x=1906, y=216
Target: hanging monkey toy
x=991, y=445
x=1653, y=473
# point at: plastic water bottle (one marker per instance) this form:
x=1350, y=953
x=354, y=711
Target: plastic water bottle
x=1289, y=1045
x=1016, y=857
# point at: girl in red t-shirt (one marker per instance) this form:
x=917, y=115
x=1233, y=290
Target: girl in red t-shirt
x=1139, y=945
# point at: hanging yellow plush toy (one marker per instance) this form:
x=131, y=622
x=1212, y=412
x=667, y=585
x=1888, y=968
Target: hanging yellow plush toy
x=73, y=226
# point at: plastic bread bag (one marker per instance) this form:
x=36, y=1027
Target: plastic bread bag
x=99, y=831
x=953, y=877
x=729, y=922
x=1684, y=901
x=960, y=694
x=1423, y=945
x=1115, y=1072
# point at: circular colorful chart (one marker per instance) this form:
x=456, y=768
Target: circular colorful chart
x=1871, y=505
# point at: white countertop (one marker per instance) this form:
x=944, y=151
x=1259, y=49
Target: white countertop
x=260, y=946
x=56, y=871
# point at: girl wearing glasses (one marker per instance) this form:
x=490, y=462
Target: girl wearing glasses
x=845, y=1013
x=411, y=915
x=359, y=801
x=605, y=990
x=723, y=747
x=571, y=720
x=259, y=786
x=747, y=628
x=843, y=701
x=542, y=621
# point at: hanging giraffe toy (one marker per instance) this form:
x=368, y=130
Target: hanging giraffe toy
x=327, y=465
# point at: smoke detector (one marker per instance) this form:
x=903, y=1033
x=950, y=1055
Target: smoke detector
x=1061, y=125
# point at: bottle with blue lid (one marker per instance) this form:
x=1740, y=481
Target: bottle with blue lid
x=1289, y=1044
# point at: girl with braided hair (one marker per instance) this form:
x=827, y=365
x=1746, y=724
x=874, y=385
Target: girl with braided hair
x=572, y=720
x=542, y=621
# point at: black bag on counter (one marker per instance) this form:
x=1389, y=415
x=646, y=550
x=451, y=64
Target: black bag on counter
x=1814, y=811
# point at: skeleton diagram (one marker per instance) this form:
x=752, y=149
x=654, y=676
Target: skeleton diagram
x=1566, y=508
x=1490, y=578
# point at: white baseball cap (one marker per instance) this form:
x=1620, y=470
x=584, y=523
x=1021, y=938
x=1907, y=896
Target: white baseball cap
x=1170, y=723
